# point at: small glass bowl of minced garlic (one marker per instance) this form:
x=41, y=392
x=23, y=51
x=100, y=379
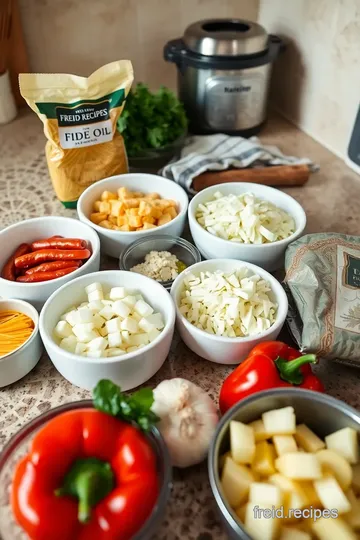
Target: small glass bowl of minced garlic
x=161, y=257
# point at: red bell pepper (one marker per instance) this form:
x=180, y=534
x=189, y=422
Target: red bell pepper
x=88, y=476
x=271, y=364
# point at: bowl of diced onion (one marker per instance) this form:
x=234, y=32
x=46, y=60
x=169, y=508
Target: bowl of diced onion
x=108, y=325
x=248, y=222
x=225, y=307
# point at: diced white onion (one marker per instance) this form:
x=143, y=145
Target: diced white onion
x=233, y=304
x=244, y=219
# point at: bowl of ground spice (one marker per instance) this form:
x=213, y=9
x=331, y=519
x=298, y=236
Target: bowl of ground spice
x=161, y=257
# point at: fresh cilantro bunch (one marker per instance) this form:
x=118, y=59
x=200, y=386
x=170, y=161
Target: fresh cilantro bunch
x=151, y=120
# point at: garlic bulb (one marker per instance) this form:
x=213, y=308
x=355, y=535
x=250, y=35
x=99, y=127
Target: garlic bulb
x=188, y=419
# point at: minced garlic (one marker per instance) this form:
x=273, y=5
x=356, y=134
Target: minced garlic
x=159, y=265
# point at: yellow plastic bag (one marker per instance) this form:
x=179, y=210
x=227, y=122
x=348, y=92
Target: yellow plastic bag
x=79, y=116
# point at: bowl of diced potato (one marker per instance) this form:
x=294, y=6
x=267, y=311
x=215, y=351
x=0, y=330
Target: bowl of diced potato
x=284, y=465
x=126, y=207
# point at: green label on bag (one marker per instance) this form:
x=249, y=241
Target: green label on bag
x=115, y=99
x=351, y=271
x=83, y=123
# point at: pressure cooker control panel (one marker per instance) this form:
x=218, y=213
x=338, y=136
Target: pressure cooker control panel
x=232, y=101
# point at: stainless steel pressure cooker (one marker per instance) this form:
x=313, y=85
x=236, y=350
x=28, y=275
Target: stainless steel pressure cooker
x=224, y=69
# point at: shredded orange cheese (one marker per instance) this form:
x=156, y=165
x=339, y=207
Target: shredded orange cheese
x=15, y=329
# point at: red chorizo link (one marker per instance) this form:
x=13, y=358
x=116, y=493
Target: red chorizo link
x=9, y=270
x=59, y=243
x=44, y=255
x=46, y=276
x=51, y=266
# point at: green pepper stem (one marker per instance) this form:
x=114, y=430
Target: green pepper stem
x=290, y=370
x=89, y=480
x=87, y=484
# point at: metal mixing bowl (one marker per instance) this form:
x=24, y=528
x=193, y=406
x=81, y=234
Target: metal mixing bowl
x=322, y=413
x=18, y=447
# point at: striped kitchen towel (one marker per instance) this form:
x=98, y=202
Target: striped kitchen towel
x=219, y=152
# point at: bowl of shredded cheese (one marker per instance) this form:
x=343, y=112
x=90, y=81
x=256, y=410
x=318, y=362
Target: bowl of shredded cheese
x=20, y=343
x=225, y=307
x=161, y=257
x=248, y=222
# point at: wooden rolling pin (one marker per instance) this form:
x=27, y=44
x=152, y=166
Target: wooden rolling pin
x=276, y=175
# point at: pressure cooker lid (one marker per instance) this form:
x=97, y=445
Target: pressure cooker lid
x=226, y=37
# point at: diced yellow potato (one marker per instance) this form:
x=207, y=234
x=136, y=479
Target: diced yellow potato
x=222, y=459
x=345, y=443
x=152, y=196
x=310, y=494
x=284, y=444
x=137, y=194
x=122, y=220
x=242, y=442
x=135, y=221
x=164, y=203
x=258, y=524
x=259, y=430
x=241, y=512
x=132, y=211
x=172, y=211
x=108, y=195
x=264, y=459
x=331, y=495
x=147, y=226
x=333, y=529
x=96, y=206
x=148, y=219
x=124, y=193
x=116, y=208
x=356, y=478
x=235, y=481
x=155, y=212
x=144, y=208
x=353, y=517
x=97, y=217
x=292, y=533
x=106, y=224
x=125, y=228
x=112, y=220
x=280, y=421
x=131, y=203
x=165, y=218
x=336, y=464
x=105, y=207
x=299, y=466
x=296, y=496
x=307, y=439
x=265, y=494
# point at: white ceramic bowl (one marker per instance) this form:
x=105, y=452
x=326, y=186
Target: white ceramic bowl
x=21, y=361
x=128, y=371
x=35, y=229
x=113, y=242
x=268, y=256
x=225, y=350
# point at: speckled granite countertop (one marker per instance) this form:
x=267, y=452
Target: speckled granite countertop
x=330, y=200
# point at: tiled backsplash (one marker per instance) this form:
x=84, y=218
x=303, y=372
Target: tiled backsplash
x=78, y=36
x=316, y=82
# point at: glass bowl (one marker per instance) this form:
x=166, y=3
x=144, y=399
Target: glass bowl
x=135, y=252
x=19, y=445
